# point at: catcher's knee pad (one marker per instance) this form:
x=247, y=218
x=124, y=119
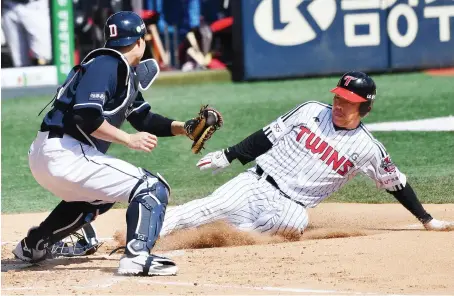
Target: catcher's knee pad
x=145, y=215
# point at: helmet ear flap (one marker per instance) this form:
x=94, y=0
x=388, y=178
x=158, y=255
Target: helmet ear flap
x=365, y=108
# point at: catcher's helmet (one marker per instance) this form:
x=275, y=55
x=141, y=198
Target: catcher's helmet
x=357, y=87
x=123, y=28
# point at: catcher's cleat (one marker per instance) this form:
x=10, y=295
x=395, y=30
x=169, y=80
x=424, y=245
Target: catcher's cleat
x=28, y=254
x=146, y=265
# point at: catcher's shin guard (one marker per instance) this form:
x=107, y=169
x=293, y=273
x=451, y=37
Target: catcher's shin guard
x=145, y=215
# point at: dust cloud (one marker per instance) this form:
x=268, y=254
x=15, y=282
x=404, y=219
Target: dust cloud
x=221, y=234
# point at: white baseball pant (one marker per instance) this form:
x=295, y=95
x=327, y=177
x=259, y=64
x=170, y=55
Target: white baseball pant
x=74, y=171
x=248, y=202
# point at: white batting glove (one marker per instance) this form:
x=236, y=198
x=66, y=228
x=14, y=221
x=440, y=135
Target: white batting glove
x=213, y=160
x=438, y=225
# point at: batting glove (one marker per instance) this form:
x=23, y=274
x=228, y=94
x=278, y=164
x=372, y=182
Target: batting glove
x=438, y=225
x=213, y=160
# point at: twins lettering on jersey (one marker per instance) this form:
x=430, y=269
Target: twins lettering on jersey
x=328, y=154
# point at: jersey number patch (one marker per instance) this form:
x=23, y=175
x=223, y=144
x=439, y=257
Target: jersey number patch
x=113, y=30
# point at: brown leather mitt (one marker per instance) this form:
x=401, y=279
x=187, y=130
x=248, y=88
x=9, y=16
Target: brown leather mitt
x=201, y=128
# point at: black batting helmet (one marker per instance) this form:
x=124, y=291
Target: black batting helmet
x=357, y=87
x=123, y=28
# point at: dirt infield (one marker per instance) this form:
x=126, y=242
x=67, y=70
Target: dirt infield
x=349, y=249
x=441, y=72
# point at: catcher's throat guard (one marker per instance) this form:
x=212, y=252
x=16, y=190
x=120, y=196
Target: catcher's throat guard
x=147, y=71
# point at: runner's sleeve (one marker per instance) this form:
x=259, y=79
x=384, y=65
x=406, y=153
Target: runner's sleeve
x=387, y=176
x=383, y=171
x=284, y=123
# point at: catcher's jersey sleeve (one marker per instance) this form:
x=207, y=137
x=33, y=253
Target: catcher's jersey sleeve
x=284, y=123
x=383, y=171
x=139, y=108
x=98, y=84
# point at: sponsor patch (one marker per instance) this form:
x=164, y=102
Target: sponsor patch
x=388, y=165
x=278, y=128
x=97, y=96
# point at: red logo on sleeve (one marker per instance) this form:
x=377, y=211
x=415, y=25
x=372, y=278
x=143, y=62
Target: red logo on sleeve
x=388, y=165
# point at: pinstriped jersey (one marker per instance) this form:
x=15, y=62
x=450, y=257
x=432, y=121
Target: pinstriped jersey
x=310, y=158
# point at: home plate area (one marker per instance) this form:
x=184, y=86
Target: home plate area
x=348, y=249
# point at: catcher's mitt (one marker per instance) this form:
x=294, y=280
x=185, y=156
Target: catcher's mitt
x=201, y=128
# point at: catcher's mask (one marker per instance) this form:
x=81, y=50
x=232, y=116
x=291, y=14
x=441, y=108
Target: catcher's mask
x=80, y=243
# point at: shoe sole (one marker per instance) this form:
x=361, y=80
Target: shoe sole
x=25, y=259
x=162, y=272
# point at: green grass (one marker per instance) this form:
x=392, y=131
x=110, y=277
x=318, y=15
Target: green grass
x=426, y=158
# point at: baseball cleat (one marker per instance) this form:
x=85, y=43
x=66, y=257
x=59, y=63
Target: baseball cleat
x=30, y=255
x=146, y=265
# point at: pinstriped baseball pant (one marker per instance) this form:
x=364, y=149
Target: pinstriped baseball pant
x=248, y=202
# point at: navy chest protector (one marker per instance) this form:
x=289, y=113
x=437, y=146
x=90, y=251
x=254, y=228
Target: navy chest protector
x=130, y=81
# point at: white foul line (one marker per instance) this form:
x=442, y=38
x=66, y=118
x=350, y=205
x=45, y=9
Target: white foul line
x=274, y=289
x=427, y=124
x=101, y=239
x=108, y=282
x=296, y=290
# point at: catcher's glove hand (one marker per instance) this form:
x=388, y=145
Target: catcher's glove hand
x=201, y=128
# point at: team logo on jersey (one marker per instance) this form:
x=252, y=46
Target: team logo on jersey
x=388, y=165
x=327, y=153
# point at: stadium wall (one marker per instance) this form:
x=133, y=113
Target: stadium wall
x=295, y=38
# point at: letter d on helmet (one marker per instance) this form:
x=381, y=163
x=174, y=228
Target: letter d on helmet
x=123, y=28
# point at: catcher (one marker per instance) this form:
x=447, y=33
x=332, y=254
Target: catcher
x=68, y=156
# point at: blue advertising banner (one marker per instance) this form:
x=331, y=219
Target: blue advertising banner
x=421, y=34
x=291, y=38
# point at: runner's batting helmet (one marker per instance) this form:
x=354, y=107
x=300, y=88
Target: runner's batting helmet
x=123, y=28
x=357, y=87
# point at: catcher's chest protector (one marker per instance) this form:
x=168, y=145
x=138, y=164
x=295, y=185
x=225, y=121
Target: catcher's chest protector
x=117, y=108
